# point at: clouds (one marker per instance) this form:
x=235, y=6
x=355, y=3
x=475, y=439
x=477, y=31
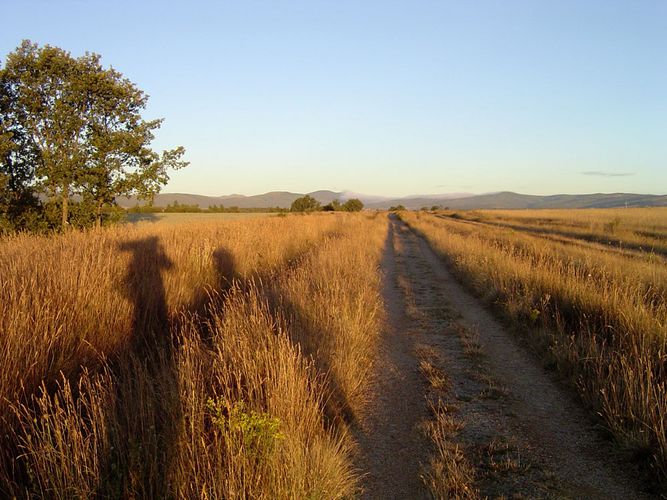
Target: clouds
x=600, y=173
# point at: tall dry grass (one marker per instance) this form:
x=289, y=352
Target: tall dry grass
x=601, y=315
x=202, y=360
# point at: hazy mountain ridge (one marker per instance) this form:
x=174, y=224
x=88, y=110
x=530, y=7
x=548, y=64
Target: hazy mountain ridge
x=272, y=199
x=456, y=201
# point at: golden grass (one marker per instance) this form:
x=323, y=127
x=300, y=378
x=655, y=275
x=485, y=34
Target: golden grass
x=207, y=360
x=633, y=228
x=602, y=315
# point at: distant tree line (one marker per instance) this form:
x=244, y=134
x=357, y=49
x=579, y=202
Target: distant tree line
x=177, y=207
x=72, y=139
x=309, y=204
x=434, y=208
x=303, y=204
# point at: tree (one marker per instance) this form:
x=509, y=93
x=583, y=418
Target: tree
x=397, y=208
x=19, y=207
x=84, y=123
x=119, y=159
x=42, y=104
x=353, y=205
x=305, y=204
x=333, y=206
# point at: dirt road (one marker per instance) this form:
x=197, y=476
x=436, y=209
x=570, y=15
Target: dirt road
x=524, y=435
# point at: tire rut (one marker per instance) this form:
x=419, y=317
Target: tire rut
x=390, y=444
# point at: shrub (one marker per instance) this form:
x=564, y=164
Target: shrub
x=305, y=204
x=259, y=431
x=397, y=208
x=353, y=205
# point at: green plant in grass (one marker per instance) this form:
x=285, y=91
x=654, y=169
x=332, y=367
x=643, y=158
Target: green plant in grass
x=259, y=431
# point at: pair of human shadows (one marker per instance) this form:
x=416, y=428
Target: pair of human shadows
x=152, y=350
x=144, y=287
x=152, y=354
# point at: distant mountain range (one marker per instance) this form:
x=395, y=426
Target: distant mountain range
x=455, y=201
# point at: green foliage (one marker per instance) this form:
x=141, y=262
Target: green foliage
x=353, y=205
x=397, y=208
x=145, y=209
x=24, y=214
x=70, y=127
x=216, y=209
x=81, y=214
x=305, y=204
x=19, y=206
x=334, y=206
x=177, y=207
x=258, y=431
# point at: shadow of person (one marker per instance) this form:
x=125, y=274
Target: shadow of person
x=135, y=218
x=144, y=419
x=225, y=277
x=144, y=287
x=209, y=300
x=225, y=268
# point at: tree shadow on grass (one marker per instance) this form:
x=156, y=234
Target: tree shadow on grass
x=135, y=218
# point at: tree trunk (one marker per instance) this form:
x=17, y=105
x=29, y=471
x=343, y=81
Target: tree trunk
x=65, y=196
x=98, y=217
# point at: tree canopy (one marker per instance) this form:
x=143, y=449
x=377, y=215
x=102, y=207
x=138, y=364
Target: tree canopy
x=353, y=205
x=305, y=204
x=309, y=204
x=397, y=208
x=70, y=127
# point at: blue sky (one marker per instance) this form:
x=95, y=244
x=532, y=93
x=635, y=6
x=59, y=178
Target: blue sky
x=386, y=97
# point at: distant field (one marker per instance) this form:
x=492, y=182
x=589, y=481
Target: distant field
x=177, y=218
x=643, y=229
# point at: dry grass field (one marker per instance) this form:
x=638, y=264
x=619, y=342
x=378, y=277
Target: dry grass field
x=588, y=288
x=332, y=356
x=644, y=230
x=219, y=359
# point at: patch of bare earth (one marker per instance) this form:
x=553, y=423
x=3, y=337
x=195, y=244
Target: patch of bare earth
x=462, y=410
